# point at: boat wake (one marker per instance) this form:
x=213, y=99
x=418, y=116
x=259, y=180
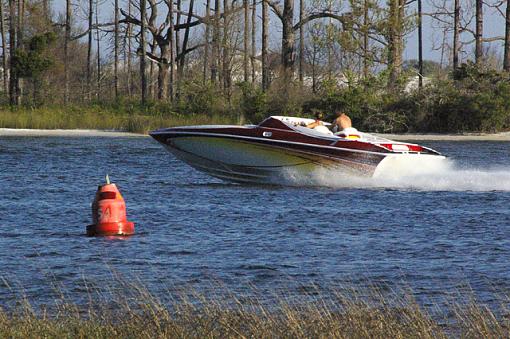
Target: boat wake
x=441, y=176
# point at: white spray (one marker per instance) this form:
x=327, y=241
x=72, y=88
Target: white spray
x=443, y=175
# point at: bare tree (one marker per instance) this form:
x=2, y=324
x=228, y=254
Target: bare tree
x=253, y=35
x=67, y=40
x=301, y=40
x=206, y=38
x=225, y=44
x=163, y=37
x=245, y=40
x=128, y=53
x=152, y=85
x=420, y=46
x=181, y=57
x=506, y=61
x=479, y=32
x=19, y=45
x=456, y=33
x=215, y=42
x=167, y=46
x=89, y=48
x=287, y=17
x=395, y=39
x=313, y=54
x=116, y=50
x=13, y=97
x=289, y=28
x=177, y=32
x=265, y=45
x=365, y=40
x=143, y=48
x=4, y=49
x=98, y=52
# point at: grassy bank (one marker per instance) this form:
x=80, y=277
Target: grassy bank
x=138, y=314
x=121, y=118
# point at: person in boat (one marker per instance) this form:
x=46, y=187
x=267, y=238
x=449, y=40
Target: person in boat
x=341, y=122
x=318, y=125
x=342, y=126
x=318, y=120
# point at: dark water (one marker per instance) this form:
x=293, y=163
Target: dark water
x=434, y=234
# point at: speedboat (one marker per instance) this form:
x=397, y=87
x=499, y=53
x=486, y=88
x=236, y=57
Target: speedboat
x=282, y=146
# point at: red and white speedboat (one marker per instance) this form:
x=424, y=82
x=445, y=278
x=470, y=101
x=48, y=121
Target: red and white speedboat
x=281, y=146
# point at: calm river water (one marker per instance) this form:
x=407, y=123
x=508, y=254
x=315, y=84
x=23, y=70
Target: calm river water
x=434, y=234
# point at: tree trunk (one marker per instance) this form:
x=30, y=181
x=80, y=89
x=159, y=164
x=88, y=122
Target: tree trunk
x=20, y=43
x=215, y=42
x=506, y=61
x=128, y=35
x=395, y=43
x=98, y=82
x=314, y=72
x=171, y=57
x=21, y=16
x=89, y=50
x=5, y=64
x=116, y=51
x=177, y=32
x=265, y=44
x=301, y=41
x=253, y=42
x=288, y=39
x=67, y=40
x=207, y=33
x=182, y=57
x=178, y=47
x=152, y=84
x=226, y=51
x=420, y=46
x=365, y=40
x=456, y=34
x=479, y=32
x=163, y=70
x=245, y=40
x=12, y=48
x=143, y=47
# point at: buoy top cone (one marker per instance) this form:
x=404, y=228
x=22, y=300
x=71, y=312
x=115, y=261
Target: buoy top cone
x=109, y=212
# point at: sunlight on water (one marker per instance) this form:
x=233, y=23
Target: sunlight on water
x=439, y=176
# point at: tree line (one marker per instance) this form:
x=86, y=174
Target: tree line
x=225, y=55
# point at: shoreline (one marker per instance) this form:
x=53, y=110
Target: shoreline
x=503, y=136
x=65, y=133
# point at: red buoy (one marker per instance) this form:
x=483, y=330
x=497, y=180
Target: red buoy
x=109, y=213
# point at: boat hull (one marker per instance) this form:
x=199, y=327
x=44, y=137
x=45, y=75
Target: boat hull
x=262, y=161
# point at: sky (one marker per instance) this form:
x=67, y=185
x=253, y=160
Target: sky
x=494, y=25
x=432, y=36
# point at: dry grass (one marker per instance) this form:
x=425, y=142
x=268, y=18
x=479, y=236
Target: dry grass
x=96, y=117
x=132, y=311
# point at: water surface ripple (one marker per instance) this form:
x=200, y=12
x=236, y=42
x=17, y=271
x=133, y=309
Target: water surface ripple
x=433, y=234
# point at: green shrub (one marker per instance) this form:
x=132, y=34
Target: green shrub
x=253, y=103
x=201, y=97
x=470, y=101
x=368, y=104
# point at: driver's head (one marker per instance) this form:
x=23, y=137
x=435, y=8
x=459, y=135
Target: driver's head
x=319, y=115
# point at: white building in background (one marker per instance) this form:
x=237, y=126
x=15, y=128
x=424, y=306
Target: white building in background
x=414, y=82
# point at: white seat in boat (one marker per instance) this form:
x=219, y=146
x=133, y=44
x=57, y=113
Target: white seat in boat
x=322, y=129
x=349, y=133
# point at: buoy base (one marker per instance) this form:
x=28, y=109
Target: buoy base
x=111, y=228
